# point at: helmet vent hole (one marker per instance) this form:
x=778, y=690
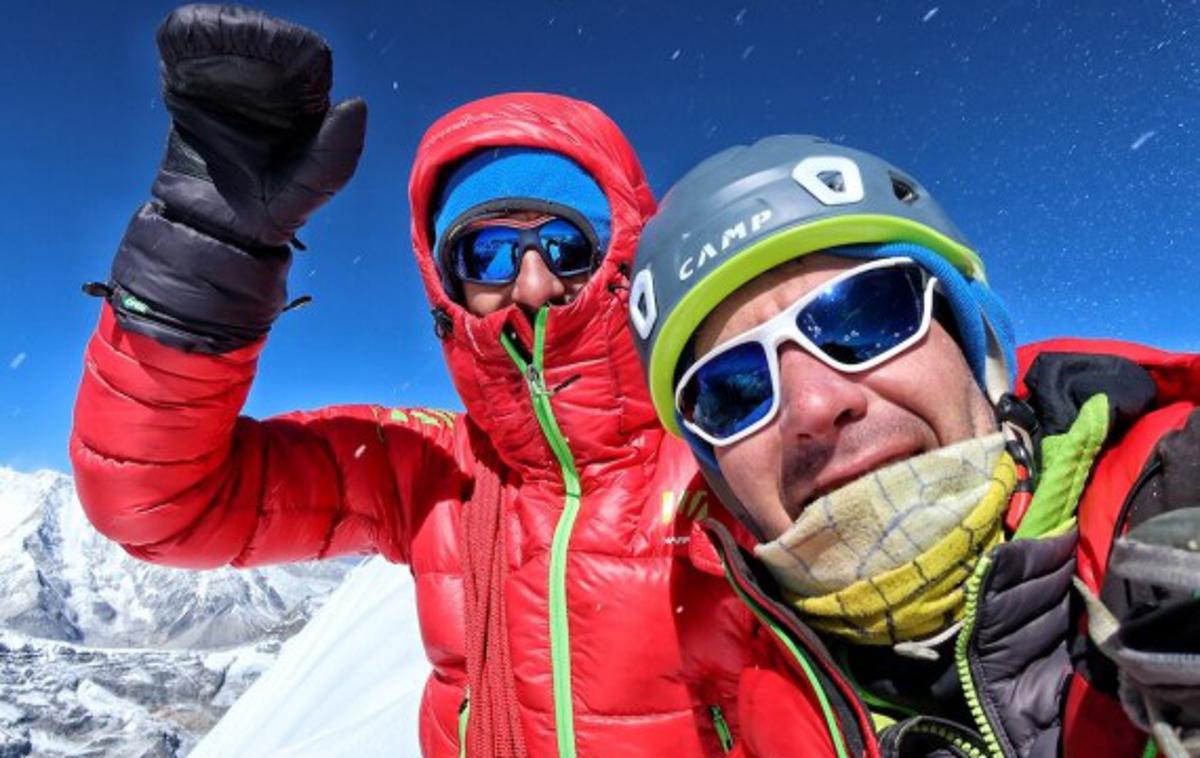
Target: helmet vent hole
x=903, y=191
x=833, y=180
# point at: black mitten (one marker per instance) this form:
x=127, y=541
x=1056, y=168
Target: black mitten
x=254, y=149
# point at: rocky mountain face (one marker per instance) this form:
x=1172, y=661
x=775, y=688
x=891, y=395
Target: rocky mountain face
x=103, y=655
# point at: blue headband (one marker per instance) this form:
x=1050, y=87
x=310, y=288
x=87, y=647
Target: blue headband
x=522, y=174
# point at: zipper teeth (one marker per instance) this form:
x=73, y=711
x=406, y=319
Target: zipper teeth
x=722, y=727
x=957, y=740
x=963, y=664
x=560, y=642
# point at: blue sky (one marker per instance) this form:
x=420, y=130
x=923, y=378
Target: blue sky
x=1062, y=137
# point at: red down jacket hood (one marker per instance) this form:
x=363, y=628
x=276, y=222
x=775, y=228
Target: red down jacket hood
x=587, y=343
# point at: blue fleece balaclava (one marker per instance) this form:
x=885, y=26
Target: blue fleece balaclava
x=519, y=173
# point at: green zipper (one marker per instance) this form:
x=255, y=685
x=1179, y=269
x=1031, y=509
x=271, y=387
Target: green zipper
x=560, y=641
x=722, y=727
x=464, y=715
x=831, y=724
x=964, y=665
x=956, y=740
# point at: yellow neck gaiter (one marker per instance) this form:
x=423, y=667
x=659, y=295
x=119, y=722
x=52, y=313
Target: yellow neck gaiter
x=885, y=559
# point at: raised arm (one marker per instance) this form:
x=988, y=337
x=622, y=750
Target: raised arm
x=165, y=466
x=163, y=463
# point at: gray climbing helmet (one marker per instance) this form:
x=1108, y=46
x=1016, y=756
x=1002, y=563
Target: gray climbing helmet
x=750, y=208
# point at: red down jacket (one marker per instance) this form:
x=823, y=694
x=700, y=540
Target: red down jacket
x=597, y=567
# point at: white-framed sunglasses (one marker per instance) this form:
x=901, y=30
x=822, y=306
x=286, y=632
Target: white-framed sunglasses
x=851, y=323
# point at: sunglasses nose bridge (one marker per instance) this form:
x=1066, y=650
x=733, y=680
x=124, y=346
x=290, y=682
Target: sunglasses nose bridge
x=788, y=336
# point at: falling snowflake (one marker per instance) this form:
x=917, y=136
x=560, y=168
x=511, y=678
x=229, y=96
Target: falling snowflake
x=675, y=55
x=746, y=53
x=741, y=15
x=1143, y=139
x=395, y=85
x=930, y=14
x=17, y=360
x=358, y=452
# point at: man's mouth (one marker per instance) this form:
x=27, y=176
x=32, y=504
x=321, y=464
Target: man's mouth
x=837, y=476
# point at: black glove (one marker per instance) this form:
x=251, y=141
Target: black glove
x=254, y=149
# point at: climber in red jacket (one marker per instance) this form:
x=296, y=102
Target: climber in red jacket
x=950, y=563
x=547, y=527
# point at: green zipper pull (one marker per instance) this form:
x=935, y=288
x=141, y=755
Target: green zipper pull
x=722, y=727
x=537, y=385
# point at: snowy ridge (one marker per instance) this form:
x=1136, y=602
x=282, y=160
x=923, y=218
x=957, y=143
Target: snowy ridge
x=103, y=655
x=349, y=684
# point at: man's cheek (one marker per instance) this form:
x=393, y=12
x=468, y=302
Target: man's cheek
x=733, y=464
x=751, y=469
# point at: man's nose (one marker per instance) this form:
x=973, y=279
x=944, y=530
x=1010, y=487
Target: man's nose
x=536, y=284
x=815, y=401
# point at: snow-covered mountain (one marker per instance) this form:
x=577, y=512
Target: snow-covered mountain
x=61, y=580
x=349, y=684
x=101, y=654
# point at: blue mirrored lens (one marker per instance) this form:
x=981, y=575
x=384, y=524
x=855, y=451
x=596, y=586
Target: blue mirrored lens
x=729, y=392
x=566, y=246
x=865, y=316
x=488, y=255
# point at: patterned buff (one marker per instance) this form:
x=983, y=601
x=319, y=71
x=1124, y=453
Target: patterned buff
x=885, y=559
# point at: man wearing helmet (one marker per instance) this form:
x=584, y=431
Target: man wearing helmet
x=920, y=525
